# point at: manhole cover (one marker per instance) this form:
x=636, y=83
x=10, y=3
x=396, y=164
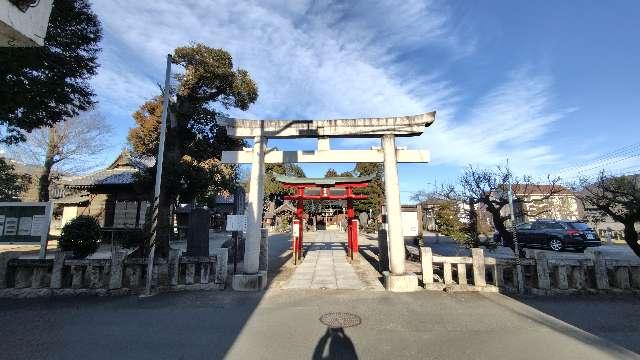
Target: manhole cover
x=340, y=320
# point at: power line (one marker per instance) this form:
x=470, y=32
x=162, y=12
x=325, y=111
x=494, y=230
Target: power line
x=623, y=151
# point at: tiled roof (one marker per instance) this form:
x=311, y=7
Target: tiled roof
x=104, y=177
x=121, y=172
x=539, y=189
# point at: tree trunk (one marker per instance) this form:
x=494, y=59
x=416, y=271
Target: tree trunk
x=499, y=225
x=45, y=177
x=631, y=237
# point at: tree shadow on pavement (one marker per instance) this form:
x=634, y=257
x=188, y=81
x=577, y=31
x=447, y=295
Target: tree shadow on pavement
x=180, y=325
x=614, y=318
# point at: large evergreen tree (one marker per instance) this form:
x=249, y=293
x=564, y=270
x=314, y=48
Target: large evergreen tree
x=375, y=190
x=192, y=171
x=12, y=185
x=41, y=86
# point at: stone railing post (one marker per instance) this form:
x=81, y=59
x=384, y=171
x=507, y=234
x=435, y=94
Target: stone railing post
x=462, y=274
x=76, y=276
x=600, y=268
x=383, y=251
x=448, y=276
x=220, y=276
x=622, y=278
x=117, y=266
x=578, y=275
x=37, y=278
x=542, y=268
x=264, y=250
x=499, y=275
x=426, y=259
x=562, y=278
x=7, y=272
x=477, y=256
x=174, y=266
x=190, y=274
x=56, y=272
x=635, y=276
x=205, y=269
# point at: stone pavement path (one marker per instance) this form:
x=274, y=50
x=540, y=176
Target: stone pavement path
x=325, y=266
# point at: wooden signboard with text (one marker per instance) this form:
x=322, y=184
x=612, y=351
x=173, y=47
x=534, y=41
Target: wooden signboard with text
x=25, y=223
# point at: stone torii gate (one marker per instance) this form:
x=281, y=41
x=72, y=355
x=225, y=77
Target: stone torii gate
x=387, y=129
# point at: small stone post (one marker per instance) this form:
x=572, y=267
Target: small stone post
x=426, y=259
x=448, y=276
x=622, y=278
x=174, y=266
x=462, y=274
x=383, y=252
x=76, y=276
x=477, y=258
x=600, y=268
x=117, y=266
x=542, y=268
x=56, y=272
x=264, y=250
x=562, y=277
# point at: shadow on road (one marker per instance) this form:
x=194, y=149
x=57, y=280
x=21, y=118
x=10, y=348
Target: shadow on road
x=185, y=325
x=335, y=344
x=614, y=318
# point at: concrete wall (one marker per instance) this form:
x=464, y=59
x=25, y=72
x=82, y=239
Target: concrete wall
x=18, y=28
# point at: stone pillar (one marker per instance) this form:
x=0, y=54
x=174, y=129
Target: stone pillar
x=397, y=280
x=253, y=278
x=254, y=213
x=392, y=204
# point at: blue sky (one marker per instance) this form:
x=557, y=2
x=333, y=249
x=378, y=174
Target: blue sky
x=553, y=86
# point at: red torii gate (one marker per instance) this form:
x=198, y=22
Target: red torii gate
x=346, y=184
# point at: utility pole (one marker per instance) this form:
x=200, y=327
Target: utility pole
x=516, y=247
x=159, y=162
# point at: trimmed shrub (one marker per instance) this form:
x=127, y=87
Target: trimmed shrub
x=81, y=235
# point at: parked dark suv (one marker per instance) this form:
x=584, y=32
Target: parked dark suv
x=556, y=235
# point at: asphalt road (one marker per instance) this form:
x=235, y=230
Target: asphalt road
x=283, y=324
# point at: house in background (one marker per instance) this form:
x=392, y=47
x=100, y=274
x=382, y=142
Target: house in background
x=110, y=195
x=530, y=203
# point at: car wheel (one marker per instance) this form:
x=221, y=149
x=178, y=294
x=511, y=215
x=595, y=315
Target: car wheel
x=555, y=244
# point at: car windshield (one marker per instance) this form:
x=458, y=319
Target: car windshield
x=525, y=226
x=579, y=226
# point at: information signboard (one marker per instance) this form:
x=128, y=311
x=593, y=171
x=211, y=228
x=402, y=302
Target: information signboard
x=237, y=223
x=25, y=222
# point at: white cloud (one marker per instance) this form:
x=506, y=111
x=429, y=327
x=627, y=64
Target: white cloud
x=333, y=59
x=508, y=122
x=309, y=61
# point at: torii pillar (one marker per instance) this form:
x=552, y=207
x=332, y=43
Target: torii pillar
x=385, y=128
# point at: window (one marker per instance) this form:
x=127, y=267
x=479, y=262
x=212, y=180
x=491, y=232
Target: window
x=525, y=226
x=553, y=226
x=579, y=226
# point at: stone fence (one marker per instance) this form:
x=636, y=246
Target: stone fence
x=541, y=275
x=20, y=277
